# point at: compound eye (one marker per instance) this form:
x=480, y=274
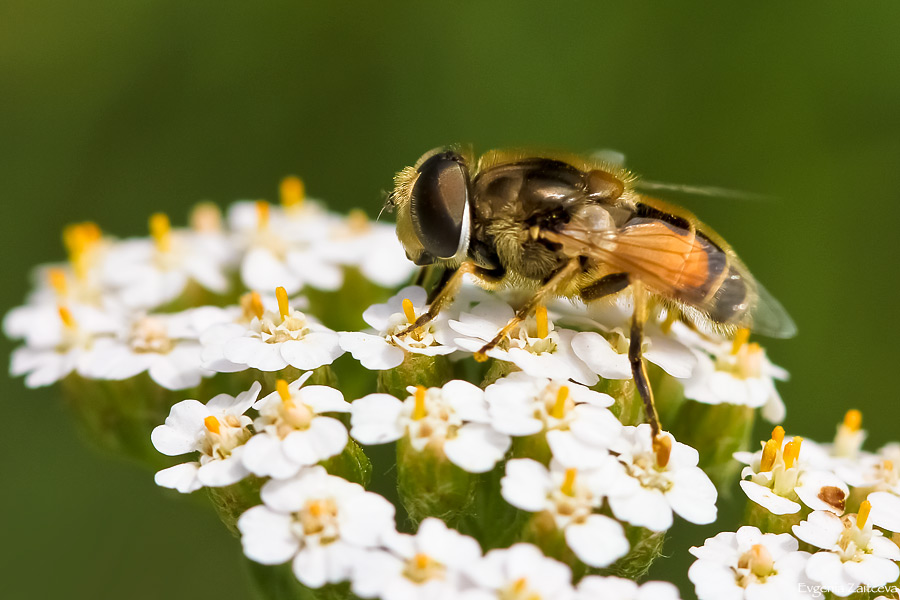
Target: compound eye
x=439, y=205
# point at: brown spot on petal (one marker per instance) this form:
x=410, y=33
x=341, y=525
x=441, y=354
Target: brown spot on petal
x=833, y=496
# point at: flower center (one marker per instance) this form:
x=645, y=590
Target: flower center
x=149, y=335
x=291, y=416
x=251, y=306
x=161, y=232
x=291, y=324
x=81, y=241
x=850, y=437
x=223, y=436
x=558, y=410
x=571, y=500
x=319, y=518
x=432, y=419
x=854, y=540
x=519, y=590
x=755, y=566
x=421, y=568
x=745, y=360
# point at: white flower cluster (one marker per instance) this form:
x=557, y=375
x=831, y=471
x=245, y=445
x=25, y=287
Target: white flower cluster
x=791, y=477
x=107, y=313
x=224, y=306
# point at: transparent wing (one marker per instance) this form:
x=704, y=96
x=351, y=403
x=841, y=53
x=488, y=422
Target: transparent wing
x=769, y=318
x=680, y=190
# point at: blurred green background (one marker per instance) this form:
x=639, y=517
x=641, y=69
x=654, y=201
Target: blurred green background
x=110, y=110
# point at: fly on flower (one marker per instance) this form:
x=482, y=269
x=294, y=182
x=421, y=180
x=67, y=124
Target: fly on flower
x=573, y=227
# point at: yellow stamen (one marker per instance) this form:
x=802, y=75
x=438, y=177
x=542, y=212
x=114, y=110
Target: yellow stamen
x=419, y=407
x=761, y=562
x=262, y=215
x=283, y=307
x=778, y=435
x=292, y=191
x=853, y=419
x=65, y=315
x=865, y=507
x=212, y=424
x=79, y=238
x=57, y=279
x=662, y=448
x=792, y=452
x=887, y=465
x=740, y=338
x=315, y=508
x=161, y=230
x=206, y=217
x=519, y=585
x=543, y=327
x=253, y=305
x=770, y=450
x=421, y=561
x=568, y=485
x=559, y=407
x=281, y=386
x=409, y=311
x=357, y=220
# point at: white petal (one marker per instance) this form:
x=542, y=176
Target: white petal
x=885, y=510
x=873, y=571
x=261, y=270
x=673, y=357
x=768, y=499
x=693, y=496
x=827, y=569
x=598, y=542
x=644, y=508
x=314, y=350
x=263, y=456
x=821, y=529
x=182, y=429
x=372, y=351
x=254, y=352
x=325, y=438
x=375, y=419
x=181, y=477
x=525, y=484
x=810, y=488
x=600, y=357
x=476, y=447
x=322, y=399
x=222, y=472
x=266, y=536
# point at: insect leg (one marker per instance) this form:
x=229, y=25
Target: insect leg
x=549, y=288
x=638, y=367
x=445, y=291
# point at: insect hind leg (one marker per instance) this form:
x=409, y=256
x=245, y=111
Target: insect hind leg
x=636, y=358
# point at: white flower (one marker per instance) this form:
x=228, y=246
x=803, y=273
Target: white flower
x=148, y=273
x=385, y=349
x=733, y=372
x=430, y=565
x=217, y=430
x=318, y=521
x=749, y=564
x=452, y=419
x=270, y=341
x=534, y=346
x=609, y=359
x=570, y=497
x=520, y=404
x=778, y=476
x=58, y=340
x=284, y=247
x=853, y=553
x=594, y=587
x=659, y=478
x=291, y=431
x=163, y=345
x=373, y=248
x=522, y=572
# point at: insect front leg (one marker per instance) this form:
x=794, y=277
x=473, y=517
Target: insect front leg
x=556, y=281
x=446, y=289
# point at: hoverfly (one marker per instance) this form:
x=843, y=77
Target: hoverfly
x=567, y=226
